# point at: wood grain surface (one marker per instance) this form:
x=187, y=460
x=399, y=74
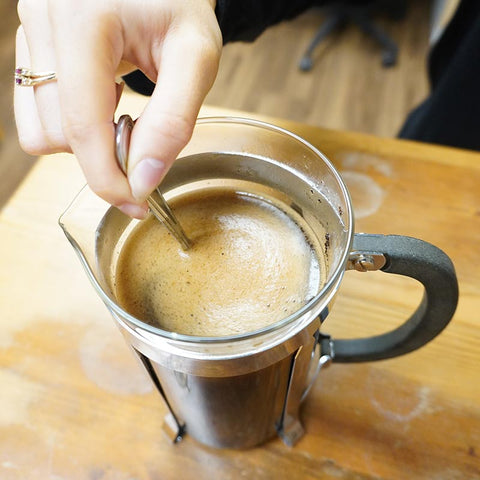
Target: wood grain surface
x=75, y=404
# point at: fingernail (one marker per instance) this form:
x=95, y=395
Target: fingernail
x=145, y=177
x=133, y=210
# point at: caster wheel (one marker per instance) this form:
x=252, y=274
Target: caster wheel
x=306, y=64
x=389, y=59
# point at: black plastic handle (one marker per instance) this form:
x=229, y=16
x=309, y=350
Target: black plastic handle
x=419, y=260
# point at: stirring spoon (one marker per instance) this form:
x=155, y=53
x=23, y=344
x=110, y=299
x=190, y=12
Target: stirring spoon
x=157, y=203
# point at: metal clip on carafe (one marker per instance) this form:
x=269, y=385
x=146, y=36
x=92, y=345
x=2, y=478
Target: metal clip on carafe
x=157, y=203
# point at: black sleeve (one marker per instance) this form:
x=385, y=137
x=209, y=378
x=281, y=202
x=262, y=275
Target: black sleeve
x=239, y=20
x=451, y=113
x=245, y=20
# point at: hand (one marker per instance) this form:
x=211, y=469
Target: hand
x=176, y=43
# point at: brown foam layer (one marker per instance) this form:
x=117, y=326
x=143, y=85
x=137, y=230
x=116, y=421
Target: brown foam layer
x=250, y=265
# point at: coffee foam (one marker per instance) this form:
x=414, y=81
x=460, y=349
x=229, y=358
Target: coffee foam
x=250, y=265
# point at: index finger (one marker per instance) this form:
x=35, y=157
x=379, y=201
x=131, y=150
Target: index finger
x=87, y=91
x=187, y=67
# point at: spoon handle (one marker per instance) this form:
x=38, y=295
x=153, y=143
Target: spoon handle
x=162, y=211
x=156, y=202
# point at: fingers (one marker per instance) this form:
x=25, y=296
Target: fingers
x=37, y=111
x=88, y=98
x=188, y=64
x=75, y=113
x=29, y=127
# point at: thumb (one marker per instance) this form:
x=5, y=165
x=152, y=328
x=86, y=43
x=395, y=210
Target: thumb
x=186, y=73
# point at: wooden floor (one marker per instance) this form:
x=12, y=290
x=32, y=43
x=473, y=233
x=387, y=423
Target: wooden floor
x=347, y=89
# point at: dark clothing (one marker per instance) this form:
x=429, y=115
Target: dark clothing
x=245, y=20
x=139, y=82
x=451, y=113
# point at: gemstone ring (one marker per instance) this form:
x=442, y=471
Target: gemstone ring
x=24, y=77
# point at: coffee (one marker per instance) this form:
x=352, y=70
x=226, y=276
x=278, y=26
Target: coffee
x=250, y=265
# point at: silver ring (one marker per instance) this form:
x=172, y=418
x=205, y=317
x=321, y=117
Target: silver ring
x=24, y=77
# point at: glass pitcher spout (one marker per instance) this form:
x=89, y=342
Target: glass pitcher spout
x=80, y=223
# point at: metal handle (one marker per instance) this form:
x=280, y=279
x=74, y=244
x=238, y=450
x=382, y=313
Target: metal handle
x=416, y=259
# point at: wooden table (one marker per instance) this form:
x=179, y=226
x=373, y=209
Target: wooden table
x=74, y=403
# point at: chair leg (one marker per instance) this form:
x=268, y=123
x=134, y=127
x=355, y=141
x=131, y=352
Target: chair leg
x=390, y=48
x=331, y=23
